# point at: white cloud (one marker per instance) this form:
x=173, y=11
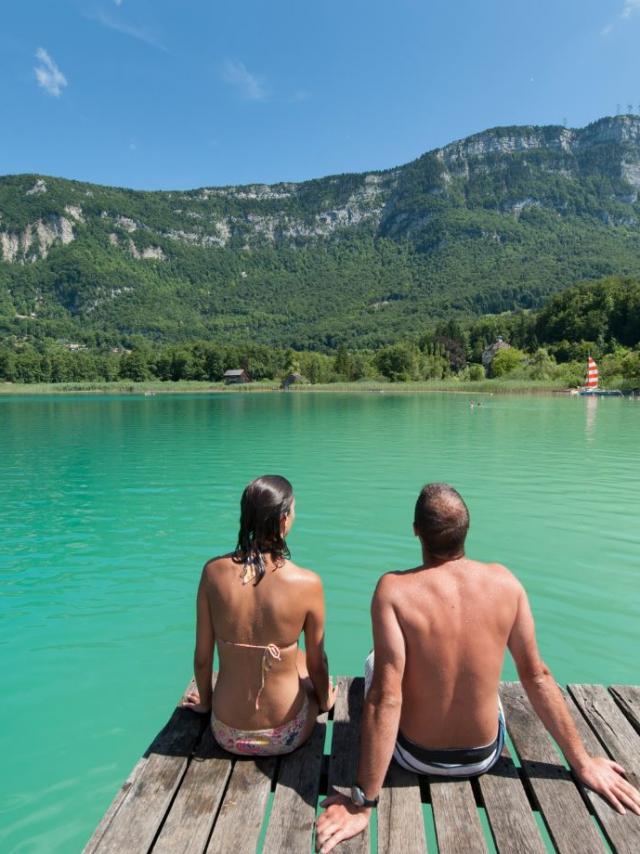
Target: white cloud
x=48, y=74
x=250, y=86
x=630, y=8
x=143, y=34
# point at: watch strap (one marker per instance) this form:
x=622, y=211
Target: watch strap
x=361, y=799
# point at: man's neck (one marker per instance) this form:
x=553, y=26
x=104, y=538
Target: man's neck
x=430, y=561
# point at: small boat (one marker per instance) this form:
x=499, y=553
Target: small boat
x=590, y=388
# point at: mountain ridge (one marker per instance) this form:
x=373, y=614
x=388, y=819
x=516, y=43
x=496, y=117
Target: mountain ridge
x=495, y=221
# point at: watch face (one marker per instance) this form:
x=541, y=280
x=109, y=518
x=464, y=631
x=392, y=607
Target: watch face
x=357, y=796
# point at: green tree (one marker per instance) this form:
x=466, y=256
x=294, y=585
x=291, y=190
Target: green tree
x=7, y=365
x=541, y=365
x=133, y=366
x=506, y=361
x=398, y=362
x=213, y=363
x=28, y=367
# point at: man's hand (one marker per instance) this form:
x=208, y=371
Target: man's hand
x=192, y=701
x=606, y=778
x=341, y=820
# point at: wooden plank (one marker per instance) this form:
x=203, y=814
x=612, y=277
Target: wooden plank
x=610, y=725
x=141, y=808
x=116, y=803
x=628, y=698
x=622, y=834
x=508, y=811
x=293, y=811
x=565, y=813
x=237, y=828
x=188, y=825
x=343, y=762
x=455, y=817
x=400, y=820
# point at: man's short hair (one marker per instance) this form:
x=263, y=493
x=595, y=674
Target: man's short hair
x=442, y=520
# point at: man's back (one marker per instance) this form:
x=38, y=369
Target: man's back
x=456, y=618
x=440, y=632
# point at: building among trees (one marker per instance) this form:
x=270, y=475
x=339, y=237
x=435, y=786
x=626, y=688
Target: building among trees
x=235, y=376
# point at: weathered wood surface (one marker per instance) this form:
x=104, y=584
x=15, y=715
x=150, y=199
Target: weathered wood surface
x=345, y=746
x=143, y=804
x=293, y=812
x=400, y=822
x=622, y=831
x=628, y=698
x=510, y=817
x=238, y=825
x=610, y=725
x=565, y=813
x=455, y=817
x=190, y=820
x=186, y=794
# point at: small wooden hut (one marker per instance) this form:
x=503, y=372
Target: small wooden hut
x=235, y=376
x=293, y=379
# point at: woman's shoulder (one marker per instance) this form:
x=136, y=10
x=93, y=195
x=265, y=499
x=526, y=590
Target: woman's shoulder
x=218, y=564
x=305, y=577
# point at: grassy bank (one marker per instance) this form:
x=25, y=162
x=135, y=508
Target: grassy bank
x=496, y=386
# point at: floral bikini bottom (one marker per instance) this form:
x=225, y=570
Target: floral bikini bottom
x=262, y=742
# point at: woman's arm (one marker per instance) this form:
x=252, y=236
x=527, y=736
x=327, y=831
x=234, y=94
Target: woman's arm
x=203, y=654
x=317, y=663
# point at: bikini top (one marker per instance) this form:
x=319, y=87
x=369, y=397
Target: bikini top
x=270, y=650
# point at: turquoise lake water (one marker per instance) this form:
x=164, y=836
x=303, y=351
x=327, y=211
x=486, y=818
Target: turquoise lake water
x=109, y=506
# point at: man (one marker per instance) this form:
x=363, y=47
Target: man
x=440, y=632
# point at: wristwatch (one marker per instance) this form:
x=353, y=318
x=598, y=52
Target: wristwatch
x=359, y=799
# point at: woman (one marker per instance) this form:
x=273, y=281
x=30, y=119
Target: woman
x=256, y=603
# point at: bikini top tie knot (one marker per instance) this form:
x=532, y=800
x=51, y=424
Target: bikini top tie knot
x=270, y=649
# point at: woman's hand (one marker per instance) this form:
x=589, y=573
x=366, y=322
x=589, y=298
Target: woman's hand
x=191, y=701
x=331, y=698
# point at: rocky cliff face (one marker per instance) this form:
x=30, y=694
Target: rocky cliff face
x=496, y=221
x=517, y=168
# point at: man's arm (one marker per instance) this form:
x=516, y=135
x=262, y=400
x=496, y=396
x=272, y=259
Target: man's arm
x=383, y=703
x=200, y=701
x=598, y=773
x=317, y=663
x=380, y=722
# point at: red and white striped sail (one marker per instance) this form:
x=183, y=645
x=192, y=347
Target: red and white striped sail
x=592, y=374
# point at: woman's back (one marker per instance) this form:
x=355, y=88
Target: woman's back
x=257, y=627
x=255, y=603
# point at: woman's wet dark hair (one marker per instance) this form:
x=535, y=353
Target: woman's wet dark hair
x=263, y=504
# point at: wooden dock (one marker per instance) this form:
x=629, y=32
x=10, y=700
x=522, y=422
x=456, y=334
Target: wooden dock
x=187, y=795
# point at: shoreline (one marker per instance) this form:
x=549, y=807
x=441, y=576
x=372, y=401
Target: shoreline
x=155, y=388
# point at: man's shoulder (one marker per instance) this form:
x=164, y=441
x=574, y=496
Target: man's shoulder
x=498, y=573
x=394, y=581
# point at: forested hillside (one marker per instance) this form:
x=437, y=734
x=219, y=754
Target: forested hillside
x=600, y=318
x=495, y=222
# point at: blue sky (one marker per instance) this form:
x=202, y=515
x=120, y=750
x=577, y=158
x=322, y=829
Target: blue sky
x=184, y=93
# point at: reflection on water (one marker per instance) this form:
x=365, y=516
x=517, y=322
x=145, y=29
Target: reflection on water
x=591, y=404
x=110, y=506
